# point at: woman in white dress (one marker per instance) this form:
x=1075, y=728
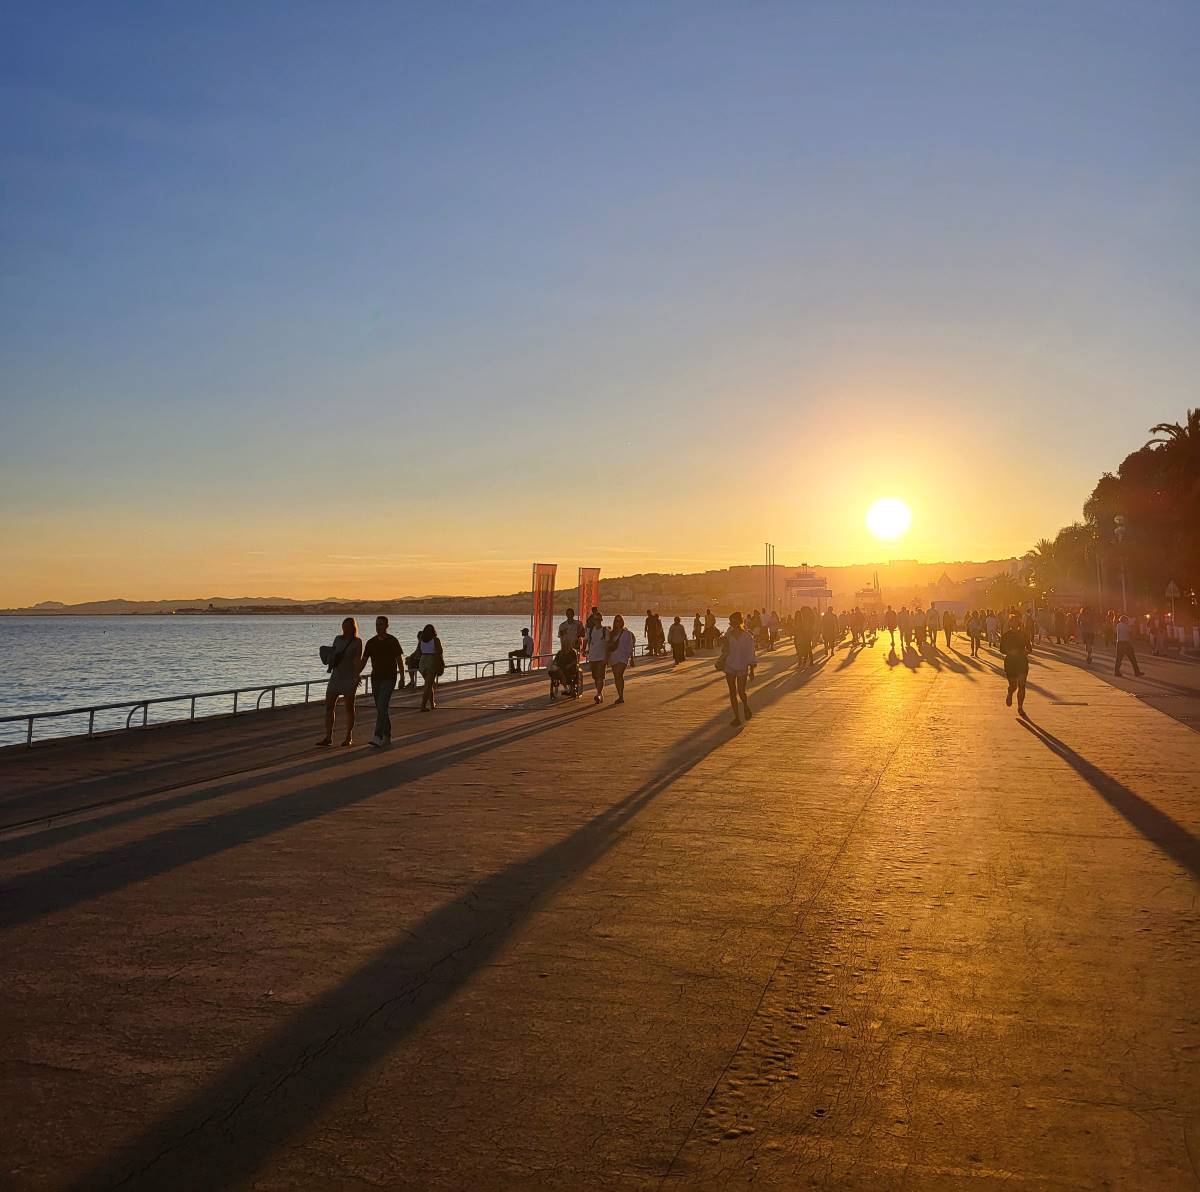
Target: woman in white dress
x=343, y=680
x=620, y=654
x=737, y=658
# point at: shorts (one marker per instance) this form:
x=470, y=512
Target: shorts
x=1016, y=667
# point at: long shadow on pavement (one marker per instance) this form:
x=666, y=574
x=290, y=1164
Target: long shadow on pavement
x=228, y=1129
x=1156, y=826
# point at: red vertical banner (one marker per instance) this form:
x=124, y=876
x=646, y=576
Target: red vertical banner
x=589, y=591
x=543, y=610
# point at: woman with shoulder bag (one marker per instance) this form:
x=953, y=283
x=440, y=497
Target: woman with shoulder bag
x=620, y=654
x=737, y=655
x=431, y=663
x=344, y=657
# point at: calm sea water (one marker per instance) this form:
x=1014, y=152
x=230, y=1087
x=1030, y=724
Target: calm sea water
x=70, y=662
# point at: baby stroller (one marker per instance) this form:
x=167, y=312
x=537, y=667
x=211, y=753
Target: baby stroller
x=564, y=674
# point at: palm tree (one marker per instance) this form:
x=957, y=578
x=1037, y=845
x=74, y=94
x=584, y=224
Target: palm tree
x=1179, y=443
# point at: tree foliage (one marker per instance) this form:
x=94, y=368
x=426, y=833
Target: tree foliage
x=1145, y=517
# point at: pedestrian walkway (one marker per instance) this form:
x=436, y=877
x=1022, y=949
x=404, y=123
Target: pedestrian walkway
x=886, y=935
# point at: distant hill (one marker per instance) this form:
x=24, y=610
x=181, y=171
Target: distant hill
x=731, y=587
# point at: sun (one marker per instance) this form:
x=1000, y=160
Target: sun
x=889, y=518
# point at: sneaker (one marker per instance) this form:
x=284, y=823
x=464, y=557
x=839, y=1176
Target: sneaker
x=1008, y=699
x=377, y=741
x=324, y=743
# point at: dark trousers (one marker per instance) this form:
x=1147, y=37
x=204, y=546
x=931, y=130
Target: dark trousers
x=679, y=649
x=1125, y=650
x=382, y=690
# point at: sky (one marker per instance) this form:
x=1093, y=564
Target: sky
x=375, y=299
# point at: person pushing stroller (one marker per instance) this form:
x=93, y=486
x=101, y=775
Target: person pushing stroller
x=564, y=673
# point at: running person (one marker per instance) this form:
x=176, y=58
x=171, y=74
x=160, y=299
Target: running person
x=1014, y=645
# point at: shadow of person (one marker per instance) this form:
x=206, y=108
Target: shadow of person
x=1156, y=826
x=892, y=660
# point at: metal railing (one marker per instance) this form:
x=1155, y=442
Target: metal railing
x=483, y=669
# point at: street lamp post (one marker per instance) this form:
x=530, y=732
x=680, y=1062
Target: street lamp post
x=1119, y=530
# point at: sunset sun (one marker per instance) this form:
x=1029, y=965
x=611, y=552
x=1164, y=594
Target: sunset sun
x=889, y=518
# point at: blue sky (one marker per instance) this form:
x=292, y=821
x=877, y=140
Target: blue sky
x=382, y=299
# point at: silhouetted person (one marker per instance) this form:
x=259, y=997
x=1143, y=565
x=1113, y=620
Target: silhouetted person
x=431, y=662
x=343, y=661
x=1125, y=647
x=1014, y=645
x=1087, y=631
x=386, y=657
x=620, y=654
x=677, y=637
x=516, y=658
x=947, y=626
x=737, y=660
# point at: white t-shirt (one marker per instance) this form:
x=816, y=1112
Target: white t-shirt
x=596, y=640
x=1123, y=634
x=569, y=633
x=623, y=650
x=739, y=657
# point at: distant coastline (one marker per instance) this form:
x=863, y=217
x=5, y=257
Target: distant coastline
x=732, y=587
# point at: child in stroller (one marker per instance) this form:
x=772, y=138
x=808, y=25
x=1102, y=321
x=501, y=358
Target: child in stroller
x=564, y=673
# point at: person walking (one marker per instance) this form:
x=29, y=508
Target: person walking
x=570, y=632
x=431, y=662
x=1125, y=647
x=890, y=622
x=1015, y=646
x=974, y=631
x=344, y=657
x=677, y=637
x=1087, y=631
x=829, y=630
x=596, y=643
x=904, y=619
x=993, y=628
x=710, y=629
x=948, y=626
x=384, y=654
x=696, y=630
x=932, y=625
x=802, y=636
x=737, y=659
x=620, y=654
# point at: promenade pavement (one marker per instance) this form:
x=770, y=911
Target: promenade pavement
x=884, y=936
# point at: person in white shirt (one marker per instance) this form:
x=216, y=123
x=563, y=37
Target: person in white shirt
x=931, y=625
x=1125, y=647
x=737, y=657
x=596, y=643
x=620, y=654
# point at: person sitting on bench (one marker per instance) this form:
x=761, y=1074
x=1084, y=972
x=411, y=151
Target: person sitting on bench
x=516, y=657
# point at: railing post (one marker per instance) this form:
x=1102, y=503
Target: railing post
x=29, y=734
x=306, y=687
x=193, y=715
x=145, y=713
x=235, y=695
x=272, y=697
x=91, y=721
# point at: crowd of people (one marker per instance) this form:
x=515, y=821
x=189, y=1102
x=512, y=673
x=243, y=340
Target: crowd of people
x=610, y=650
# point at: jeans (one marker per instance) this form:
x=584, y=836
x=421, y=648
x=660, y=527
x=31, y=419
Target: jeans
x=382, y=689
x=1125, y=650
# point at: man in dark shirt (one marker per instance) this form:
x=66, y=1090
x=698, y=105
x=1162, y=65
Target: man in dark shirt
x=385, y=656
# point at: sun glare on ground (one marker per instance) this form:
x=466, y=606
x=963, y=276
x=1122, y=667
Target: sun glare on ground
x=889, y=518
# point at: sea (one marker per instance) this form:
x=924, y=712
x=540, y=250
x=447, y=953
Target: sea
x=59, y=663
